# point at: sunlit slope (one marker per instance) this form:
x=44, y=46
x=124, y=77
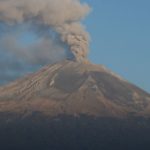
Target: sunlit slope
x=74, y=88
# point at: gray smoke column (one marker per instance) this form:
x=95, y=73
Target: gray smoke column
x=63, y=16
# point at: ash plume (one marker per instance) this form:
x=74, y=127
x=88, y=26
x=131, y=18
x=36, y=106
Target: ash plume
x=62, y=16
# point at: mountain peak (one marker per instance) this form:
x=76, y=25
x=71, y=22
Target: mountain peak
x=72, y=88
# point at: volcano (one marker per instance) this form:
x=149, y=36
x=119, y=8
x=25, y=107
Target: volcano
x=74, y=106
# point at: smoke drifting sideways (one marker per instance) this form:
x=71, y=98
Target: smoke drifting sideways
x=62, y=16
x=56, y=23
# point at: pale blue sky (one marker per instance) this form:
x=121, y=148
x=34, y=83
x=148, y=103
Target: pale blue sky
x=120, y=38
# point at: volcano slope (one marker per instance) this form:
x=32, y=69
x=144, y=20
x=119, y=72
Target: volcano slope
x=74, y=106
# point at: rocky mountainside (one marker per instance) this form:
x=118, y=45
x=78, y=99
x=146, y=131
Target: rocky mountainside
x=74, y=88
x=74, y=106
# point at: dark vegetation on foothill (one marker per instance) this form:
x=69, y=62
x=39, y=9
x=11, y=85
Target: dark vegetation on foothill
x=38, y=132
